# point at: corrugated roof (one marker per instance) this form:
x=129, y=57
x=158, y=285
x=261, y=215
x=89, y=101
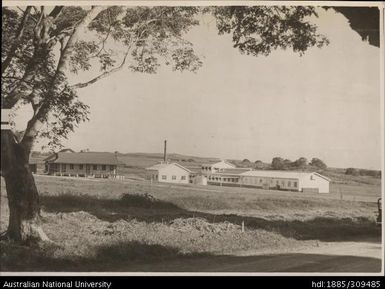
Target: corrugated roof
x=233, y=171
x=165, y=165
x=321, y=176
x=215, y=163
x=101, y=158
x=34, y=160
x=280, y=174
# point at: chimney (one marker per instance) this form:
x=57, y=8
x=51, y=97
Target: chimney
x=165, y=151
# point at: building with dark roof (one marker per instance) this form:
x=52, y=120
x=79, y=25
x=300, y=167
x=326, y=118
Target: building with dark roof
x=36, y=165
x=83, y=164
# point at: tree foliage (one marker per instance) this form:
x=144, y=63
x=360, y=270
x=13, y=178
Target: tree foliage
x=257, y=30
x=301, y=163
x=42, y=46
x=259, y=164
x=47, y=51
x=363, y=172
x=278, y=163
x=316, y=162
x=352, y=172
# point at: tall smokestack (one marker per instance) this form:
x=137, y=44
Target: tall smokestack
x=165, y=151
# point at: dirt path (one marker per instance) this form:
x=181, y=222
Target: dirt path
x=369, y=249
x=328, y=257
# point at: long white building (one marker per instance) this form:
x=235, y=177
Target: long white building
x=227, y=174
x=286, y=180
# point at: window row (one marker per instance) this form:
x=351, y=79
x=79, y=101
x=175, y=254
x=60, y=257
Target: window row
x=277, y=183
x=63, y=167
x=231, y=180
x=174, y=178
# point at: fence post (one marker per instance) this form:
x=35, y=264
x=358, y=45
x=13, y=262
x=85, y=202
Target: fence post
x=243, y=226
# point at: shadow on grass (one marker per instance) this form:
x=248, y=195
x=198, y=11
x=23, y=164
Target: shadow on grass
x=138, y=257
x=147, y=208
x=118, y=256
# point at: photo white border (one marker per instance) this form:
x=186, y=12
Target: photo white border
x=381, y=7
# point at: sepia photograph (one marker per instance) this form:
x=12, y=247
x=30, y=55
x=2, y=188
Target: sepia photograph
x=191, y=137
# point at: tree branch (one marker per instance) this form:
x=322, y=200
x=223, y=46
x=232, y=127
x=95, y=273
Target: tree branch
x=56, y=11
x=16, y=44
x=17, y=79
x=103, y=75
x=103, y=43
x=23, y=88
x=69, y=46
x=115, y=69
x=36, y=122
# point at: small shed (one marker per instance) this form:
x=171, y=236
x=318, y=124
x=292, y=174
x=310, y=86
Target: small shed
x=200, y=180
x=169, y=173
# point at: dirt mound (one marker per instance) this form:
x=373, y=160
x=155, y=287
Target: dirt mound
x=200, y=224
x=145, y=201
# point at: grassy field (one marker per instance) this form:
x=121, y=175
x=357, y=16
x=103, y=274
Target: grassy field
x=103, y=225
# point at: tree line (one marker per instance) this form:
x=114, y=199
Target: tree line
x=363, y=172
x=279, y=163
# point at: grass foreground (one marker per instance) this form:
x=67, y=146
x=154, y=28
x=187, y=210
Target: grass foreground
x=127, y=226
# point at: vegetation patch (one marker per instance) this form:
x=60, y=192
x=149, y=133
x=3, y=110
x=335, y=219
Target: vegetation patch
x=96, y=227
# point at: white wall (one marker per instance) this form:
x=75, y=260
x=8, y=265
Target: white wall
x=169, y=172
x=313, y=181
x=271, y=182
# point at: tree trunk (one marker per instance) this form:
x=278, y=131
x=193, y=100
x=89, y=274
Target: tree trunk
x=23, y=197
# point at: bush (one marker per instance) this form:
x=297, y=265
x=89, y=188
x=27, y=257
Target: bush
x=279, y=163
x=259, y=165
x=301, y=163
x=145, y=201
x=315, y=162
x=352, y=172
x=363, y=172
x=371, y=173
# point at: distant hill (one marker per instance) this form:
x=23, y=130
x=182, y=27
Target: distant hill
x=134, y=165
x=170, y=156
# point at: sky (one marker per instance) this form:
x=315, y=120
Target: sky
x=325, y=104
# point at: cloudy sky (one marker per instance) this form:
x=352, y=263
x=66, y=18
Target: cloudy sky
x=324, y=104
